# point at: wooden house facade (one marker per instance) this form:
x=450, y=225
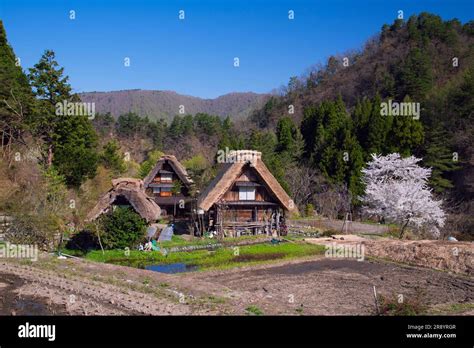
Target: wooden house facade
x=170, y=186
x=245, y=198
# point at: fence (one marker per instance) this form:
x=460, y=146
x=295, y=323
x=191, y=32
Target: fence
x=5, y=221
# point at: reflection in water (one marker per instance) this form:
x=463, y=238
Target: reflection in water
x=172, y=268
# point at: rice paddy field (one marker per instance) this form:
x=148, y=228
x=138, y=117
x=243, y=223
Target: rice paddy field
x=219, y=258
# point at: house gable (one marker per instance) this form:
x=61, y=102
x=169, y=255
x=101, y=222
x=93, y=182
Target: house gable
x=167, y=177
x=231, y=172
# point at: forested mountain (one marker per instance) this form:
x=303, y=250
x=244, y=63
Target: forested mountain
x=337, y=107
x=165, y=104
x=413, y=57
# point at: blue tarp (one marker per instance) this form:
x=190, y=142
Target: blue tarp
x=150, y=232
x=166, y=234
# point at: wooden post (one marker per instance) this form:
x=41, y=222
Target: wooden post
x=255, y=219
x=278, y=221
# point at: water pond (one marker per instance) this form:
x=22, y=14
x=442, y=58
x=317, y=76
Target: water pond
x=172, y=268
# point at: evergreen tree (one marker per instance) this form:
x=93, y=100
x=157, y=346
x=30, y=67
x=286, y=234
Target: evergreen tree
x=285, y=130
x=16, y=98
x=130, y=125
x=75, y=154
x=405, y=136
x=308, y=129
x=354, y=162
x=415, y=77
x=111, y=158
x=290, y=143
x=70, y=139
x=176, y=127
x=440, y=158
x=266, y=143
x=187, y=125
x=156, y=131
x=378, y=127
x=337, y=152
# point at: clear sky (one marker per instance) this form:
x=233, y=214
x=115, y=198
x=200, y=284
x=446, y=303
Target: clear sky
x=195, y=56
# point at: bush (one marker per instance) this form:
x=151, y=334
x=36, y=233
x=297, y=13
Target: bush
x=34, y=230
x=309, y=210
x=122, y=228
x=148, y=165
x=329, y=233
x=84, y=240
x=406, y=305
x=254, y=310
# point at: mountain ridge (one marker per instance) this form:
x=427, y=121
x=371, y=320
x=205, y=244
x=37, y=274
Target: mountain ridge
x=165, y=104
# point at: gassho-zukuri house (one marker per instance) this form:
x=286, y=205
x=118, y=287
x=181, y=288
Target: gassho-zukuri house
x=170, y=186
x=244, y=198
x=127, y=192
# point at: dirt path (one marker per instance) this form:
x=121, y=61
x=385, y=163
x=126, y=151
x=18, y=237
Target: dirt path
x=315, y=285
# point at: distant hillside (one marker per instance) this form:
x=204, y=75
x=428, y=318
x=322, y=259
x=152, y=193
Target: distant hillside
x=166, y=104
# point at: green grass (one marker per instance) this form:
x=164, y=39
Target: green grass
x=178, y=241
x=254, y=310
x=453, y=308
x=219, y=259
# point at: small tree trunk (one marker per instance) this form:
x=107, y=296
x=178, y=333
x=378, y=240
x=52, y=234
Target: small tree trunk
x=98, y=237
x=402, y=230
x=50, y=156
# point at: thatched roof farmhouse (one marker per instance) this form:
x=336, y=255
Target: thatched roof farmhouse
x=127, y=191
x=170, y=186
x=245, y=196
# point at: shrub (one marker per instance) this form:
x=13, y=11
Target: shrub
x=27, y=229
x=329, y=233
x=149, y=163
x=254, y=310
x=122, y=228
x=309, y=210
x=406, y=305
x=85, y=240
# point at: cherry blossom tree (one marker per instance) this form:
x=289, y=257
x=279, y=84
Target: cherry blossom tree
x=397, y=190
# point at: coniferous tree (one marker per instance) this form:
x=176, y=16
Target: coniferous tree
x=416, y=75
x=70, y=140
x=441, y=159
x=16, y=98
x=377, y=129
x=405, y=136
x=111, y=158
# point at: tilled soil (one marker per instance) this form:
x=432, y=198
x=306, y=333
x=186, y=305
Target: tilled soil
x=14, y=302
x=311, y=286
x=340, y=286
x=73, y=287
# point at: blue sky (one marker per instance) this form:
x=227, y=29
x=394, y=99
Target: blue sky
x=195, y=56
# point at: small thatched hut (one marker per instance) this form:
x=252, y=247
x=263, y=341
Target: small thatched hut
x=245, y=198
x=127, y=192
x=170, y=186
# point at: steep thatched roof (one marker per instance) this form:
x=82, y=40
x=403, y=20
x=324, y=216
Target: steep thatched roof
x=230, y=172
x=131, y=190
x=175, y=164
